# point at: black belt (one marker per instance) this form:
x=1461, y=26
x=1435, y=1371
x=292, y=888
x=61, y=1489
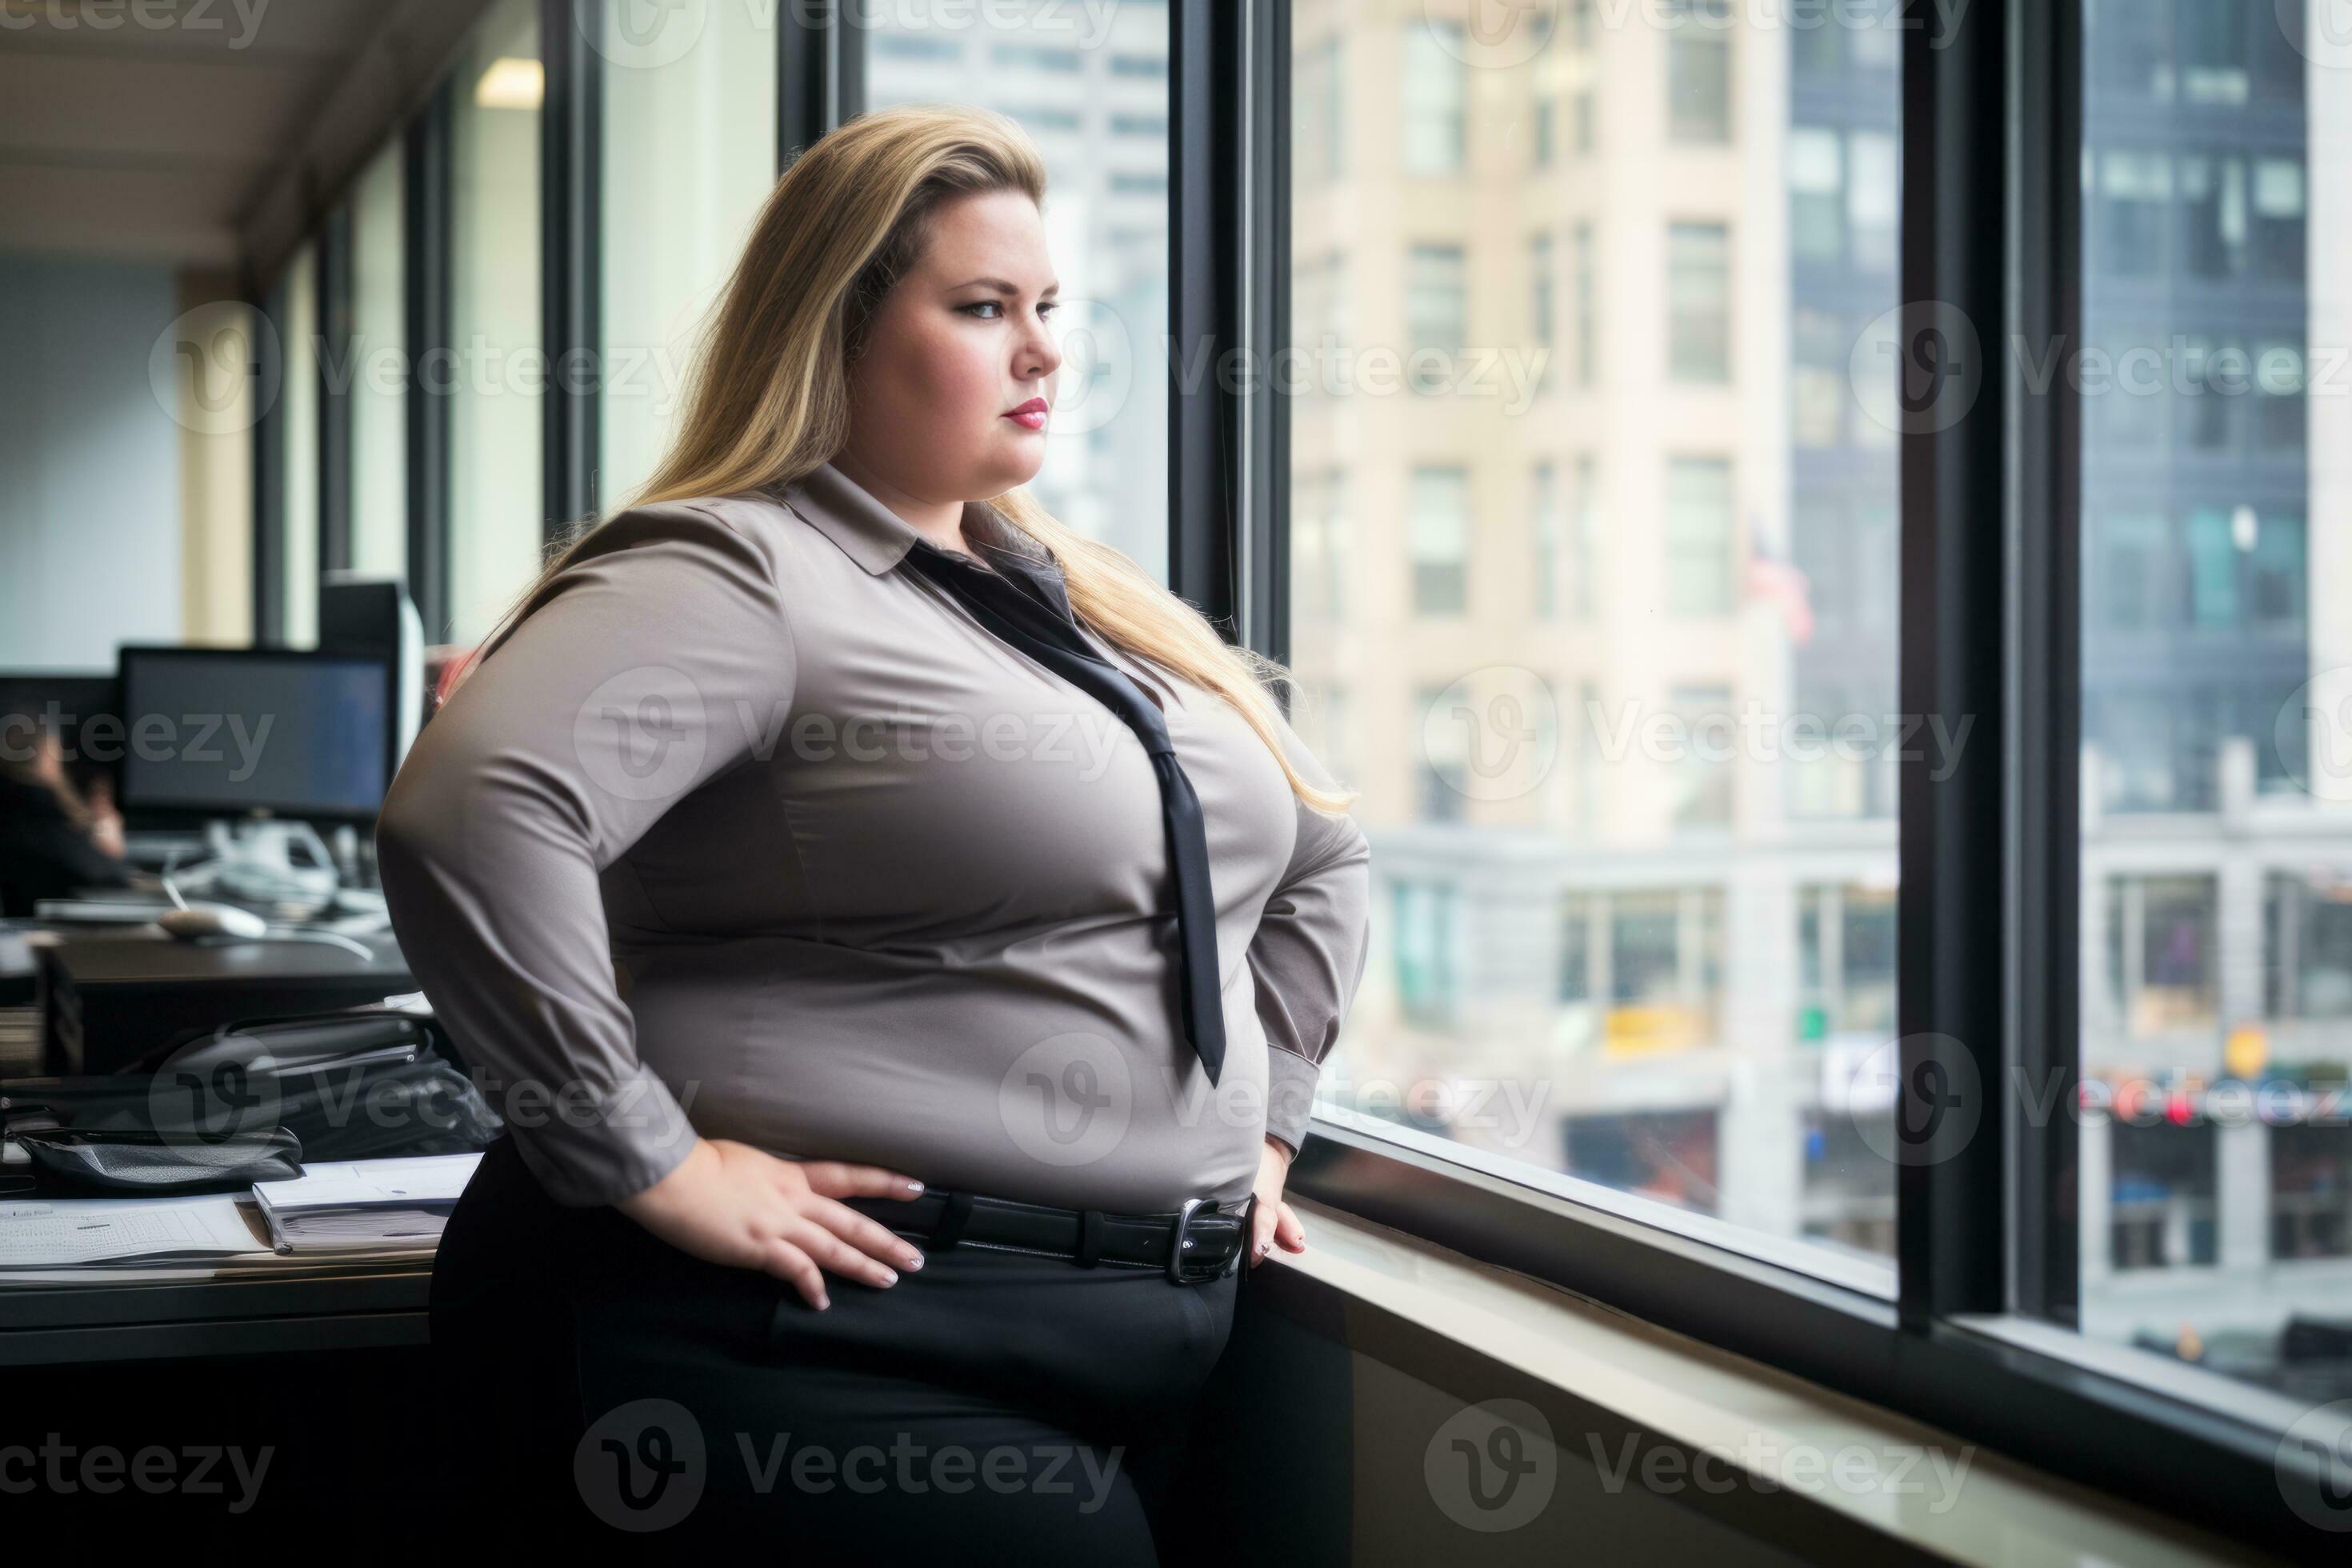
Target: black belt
x=1202, y=1241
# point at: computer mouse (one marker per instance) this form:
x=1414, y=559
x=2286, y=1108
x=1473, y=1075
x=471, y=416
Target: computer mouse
x=211, y=920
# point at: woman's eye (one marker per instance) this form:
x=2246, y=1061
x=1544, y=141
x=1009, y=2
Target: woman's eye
x=980, y=305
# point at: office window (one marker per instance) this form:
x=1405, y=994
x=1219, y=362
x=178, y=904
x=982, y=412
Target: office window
x=1318, y=111
x=499, y=519
x=1872, y=210
x=1545, y=526
x=1698, y=70
x=1437, y=97
x=2207, y=670
x=1698, y=537
x=378, y=354
x=1437, y=311
x=1709, y=732
x=1441, y=541
x=1106, y=219
x=1539, y=303
x=298, y=331
x=669, y=243
x=1587, y=324
x=1615, y=550
x=1816, y=194
x=1425, y=915
x=1698, y=300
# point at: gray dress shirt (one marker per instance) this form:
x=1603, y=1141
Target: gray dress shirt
x=746, y=832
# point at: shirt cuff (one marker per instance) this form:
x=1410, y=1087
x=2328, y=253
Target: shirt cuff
x=592, y=1152
x=1289, y=1096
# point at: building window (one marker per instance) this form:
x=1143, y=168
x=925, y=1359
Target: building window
x=1436, y=95
x=1539, y=304
x=1547, y=529
x=1441, y=541
x=1698, y=72
x=1698, y=301
x=1698, y=536
x=1436, y=315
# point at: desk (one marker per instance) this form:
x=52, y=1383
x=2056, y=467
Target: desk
x=108, y=999
x=332, y=1307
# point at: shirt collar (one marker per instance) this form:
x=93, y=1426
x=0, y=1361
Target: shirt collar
x=878, y=538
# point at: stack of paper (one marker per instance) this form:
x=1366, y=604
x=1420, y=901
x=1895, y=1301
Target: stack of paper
x=365, y=1205
x=39, y=1233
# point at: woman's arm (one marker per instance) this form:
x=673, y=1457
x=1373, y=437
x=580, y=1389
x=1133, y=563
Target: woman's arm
x=1307, y=957
x=645, y=671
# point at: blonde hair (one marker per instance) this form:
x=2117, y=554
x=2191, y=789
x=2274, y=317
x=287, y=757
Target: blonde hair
x=766, y=398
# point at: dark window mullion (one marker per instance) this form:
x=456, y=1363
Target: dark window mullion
x=1950, y=1184
x=338, y=369
x=820, y=75
x=433, y=371
x=1205, y=268
x=2045, y=575
x=269, y=481
x=570, y=125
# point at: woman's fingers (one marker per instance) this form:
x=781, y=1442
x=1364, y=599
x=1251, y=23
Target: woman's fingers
x=833, y=1253
x=863, y=1232
x=841, y=1179
x=787, y=1262
x=1273, y=1222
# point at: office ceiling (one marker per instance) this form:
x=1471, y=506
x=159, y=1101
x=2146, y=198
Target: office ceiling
x=152, y=130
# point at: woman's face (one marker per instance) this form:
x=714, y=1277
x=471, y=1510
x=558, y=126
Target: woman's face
x=957, y=346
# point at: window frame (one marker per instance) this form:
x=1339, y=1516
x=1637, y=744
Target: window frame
x=1977, y=1336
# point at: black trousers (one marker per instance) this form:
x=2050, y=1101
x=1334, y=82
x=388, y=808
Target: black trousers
x=991, y=1406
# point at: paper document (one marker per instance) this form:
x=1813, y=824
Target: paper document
x=364, y=1205
x=59, y=1232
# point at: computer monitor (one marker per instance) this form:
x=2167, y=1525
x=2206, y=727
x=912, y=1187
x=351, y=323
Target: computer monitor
x=362, y=613
x=228, y=732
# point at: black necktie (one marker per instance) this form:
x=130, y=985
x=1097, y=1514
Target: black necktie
x=1028, y=624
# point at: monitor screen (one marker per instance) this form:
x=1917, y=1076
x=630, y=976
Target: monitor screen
x=236, y=730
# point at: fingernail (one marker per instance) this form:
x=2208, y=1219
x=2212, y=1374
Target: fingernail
x=913, y=1186
x=914, y=1260
x=889, y=1275
x=822, y=1303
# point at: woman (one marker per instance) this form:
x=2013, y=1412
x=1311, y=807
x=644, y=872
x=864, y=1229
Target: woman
x=53, y=839
x=777, y=855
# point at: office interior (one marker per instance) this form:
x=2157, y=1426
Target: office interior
x=1805, y=524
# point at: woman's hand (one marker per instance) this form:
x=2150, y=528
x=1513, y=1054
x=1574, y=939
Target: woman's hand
x=729, y=1203
x=1272, y=1220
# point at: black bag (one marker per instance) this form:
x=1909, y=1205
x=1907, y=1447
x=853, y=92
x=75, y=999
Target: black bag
x=361, y=1084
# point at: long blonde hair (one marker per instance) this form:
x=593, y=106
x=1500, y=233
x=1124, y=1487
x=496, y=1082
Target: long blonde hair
x=766, y=398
